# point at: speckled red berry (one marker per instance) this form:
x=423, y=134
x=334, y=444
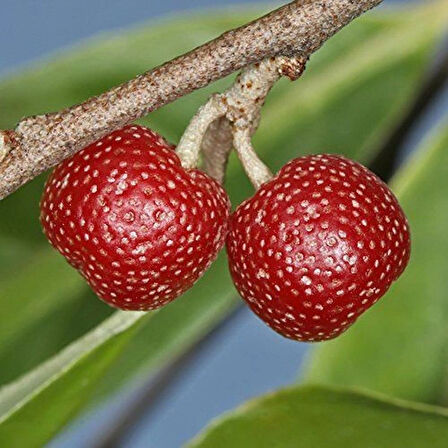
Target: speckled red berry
x=317, y=246
x=139, y=227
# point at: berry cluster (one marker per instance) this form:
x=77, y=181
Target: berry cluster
x=314, y=248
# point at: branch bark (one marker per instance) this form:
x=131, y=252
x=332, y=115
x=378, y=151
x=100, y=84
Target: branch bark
x=299, y=28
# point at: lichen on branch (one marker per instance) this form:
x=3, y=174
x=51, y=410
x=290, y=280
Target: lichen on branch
x=298, y=28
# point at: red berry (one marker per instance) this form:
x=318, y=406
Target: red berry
x=317, y=246
x=139, y=227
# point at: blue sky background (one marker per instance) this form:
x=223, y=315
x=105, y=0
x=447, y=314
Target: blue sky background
x=242, y=360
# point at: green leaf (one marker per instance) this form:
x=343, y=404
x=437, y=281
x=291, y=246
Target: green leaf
x=175, y=328
x=49, y=395
x=331, y=109
x=33, y=305
x=73, y=374
x=25, y=298
x=317, y=417
x=400, y=346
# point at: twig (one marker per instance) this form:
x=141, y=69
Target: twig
x=298, y=28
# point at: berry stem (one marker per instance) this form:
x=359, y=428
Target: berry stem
x=243, y=102
x=189, y=146
x=255, y=169
x=240, y=105
x=216, y=147
x=300, y=27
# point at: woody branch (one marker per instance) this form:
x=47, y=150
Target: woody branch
x=296, y=29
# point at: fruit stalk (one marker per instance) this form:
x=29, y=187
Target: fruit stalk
x=216, y=147
x=298, y=28
x=245, y=100
x=257, y=172
x=231, y=118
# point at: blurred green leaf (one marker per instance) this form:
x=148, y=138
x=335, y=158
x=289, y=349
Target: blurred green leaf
x=73, y=375
x=400, y=346
x=175, y=328
x=45, y=305
x=26, y=299
x=318, y=417
x=331, y=109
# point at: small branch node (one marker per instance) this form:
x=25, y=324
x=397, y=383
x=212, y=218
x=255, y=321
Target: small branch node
x=5, y=144
x=292, y=68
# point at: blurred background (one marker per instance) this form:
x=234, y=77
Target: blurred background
x=241, y=358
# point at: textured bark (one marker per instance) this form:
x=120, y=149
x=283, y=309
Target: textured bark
x=299, y=28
